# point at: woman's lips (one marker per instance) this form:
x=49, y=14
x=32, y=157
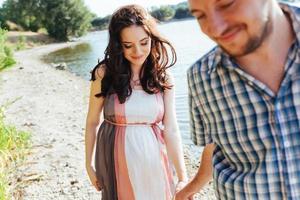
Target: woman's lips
x=137, y=57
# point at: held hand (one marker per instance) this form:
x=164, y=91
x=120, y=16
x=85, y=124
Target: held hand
x=180, y=185
x=92, y=175
x=183, y=195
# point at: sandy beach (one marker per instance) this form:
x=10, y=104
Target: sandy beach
x=52, y=105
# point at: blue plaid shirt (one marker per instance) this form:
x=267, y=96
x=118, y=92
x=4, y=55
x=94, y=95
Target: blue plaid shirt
x=256, y=132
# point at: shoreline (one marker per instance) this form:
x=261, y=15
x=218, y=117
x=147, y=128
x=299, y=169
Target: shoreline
x=52, y=105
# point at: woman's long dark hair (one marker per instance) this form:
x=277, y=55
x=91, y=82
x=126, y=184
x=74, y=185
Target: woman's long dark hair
x=117, y=69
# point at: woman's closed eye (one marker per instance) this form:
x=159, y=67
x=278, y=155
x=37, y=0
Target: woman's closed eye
x=126, y=46
x=144, y=43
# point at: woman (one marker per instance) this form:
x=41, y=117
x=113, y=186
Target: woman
x=136, y=94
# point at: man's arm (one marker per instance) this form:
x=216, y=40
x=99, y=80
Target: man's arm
x=203, y=176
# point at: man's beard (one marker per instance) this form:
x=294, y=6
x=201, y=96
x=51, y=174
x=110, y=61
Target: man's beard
x=253, y=43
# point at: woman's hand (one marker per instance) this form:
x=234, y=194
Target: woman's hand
x=180, y=185
x=92, y=175
x=183, y=195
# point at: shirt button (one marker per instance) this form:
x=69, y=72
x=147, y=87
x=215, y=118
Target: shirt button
x=294, y=180
x=278, y=105
x=286, y=143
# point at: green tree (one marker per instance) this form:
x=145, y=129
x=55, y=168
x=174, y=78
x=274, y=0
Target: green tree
x=65, y=18
x=163, y=13
x=2, y=20
x=101, y=23
x=26, y=13
x=182, y=12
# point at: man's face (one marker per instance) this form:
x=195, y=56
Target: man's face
x=238, y=26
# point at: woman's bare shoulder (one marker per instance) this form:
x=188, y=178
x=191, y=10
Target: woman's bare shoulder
x=98, y=72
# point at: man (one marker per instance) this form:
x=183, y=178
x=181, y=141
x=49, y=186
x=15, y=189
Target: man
x=244, y=99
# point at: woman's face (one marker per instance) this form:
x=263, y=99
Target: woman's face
x=136, y=45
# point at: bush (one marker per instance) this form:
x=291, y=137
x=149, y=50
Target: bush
x=21, y=43
x=13, y=146
x=6, y=55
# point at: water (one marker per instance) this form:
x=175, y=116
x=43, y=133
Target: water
x=186, y=37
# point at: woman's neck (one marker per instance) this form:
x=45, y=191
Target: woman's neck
x=135, y=71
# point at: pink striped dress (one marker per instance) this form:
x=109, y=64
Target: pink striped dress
x=131, y=160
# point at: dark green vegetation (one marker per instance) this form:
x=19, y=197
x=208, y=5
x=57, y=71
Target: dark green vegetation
x=14, y=145
x=6, y=56
x=61, y=19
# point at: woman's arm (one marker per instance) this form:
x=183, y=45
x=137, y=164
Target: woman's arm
x=92, y=124
x=203, y=176
x=171, y=132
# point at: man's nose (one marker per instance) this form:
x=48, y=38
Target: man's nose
x=216, y=25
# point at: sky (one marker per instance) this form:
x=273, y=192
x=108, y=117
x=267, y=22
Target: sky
x=105, y=7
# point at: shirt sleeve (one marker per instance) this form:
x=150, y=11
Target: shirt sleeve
x=199, y=135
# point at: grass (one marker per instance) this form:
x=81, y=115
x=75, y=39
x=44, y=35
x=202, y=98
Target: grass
x=14, y=145
x=6, y=54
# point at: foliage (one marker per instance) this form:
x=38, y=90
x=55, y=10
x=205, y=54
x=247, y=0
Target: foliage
x=182, y=12
x=61, y=18
x=13, y=146
x=21, y=43
x=26, y=13
x=2, y=19
x=101, y=23
x=66, y=18
x=6, y=55
x=163, y=13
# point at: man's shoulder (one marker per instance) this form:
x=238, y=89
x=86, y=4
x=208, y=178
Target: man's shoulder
x=291, y=7
x=293, y=10
x=205, y=63
x=292, y=4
